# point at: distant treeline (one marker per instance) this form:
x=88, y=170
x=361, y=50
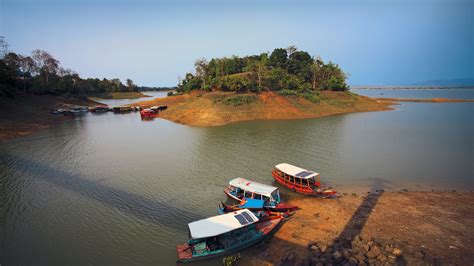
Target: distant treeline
x=41, y=73
x=144, y=88
x=289, y=71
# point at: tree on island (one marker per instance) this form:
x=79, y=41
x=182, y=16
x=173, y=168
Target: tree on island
x=288, y=71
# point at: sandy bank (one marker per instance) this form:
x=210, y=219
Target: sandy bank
x=28, y=114
x=427, y=228
x=210, y=109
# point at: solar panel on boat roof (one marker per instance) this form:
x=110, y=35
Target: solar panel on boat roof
x=304, y=173
x=247, y=217
x=241, y=219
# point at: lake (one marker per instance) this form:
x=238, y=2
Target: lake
x=113, y=189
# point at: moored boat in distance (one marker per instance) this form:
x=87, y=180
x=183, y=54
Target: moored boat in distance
x=98, y=109
x=148, y=114
x=224, y=234
x=301, y=180
x=241, y=189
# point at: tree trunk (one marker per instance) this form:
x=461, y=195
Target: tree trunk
x=259, y=81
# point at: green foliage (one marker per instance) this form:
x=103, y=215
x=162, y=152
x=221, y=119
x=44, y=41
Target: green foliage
x=240, y=100
x=311, y=96
x=231, y=260
x=284, y=69
x=308, y=95
x=278, y=58
x=236, y=83
x=286, y=92
x=41, y=73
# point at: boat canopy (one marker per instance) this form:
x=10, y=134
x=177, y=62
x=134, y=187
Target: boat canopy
x=252, y=186
x=296, y=171
x=252, y=204
x=221, y=224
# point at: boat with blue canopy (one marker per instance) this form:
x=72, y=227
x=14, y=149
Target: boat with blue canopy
x=243, y=190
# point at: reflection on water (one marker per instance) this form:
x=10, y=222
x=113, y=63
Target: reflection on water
x=110, y=188
x=119, y=102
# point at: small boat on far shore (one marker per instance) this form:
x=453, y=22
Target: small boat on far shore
x=241, y=189
x=99, y=109
x=225, y=234
x=148, y=114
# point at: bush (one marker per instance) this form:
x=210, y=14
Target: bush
x=231, y=260
x=312, y=97
x=170, y=93
x=288, y=93
x=240, y=100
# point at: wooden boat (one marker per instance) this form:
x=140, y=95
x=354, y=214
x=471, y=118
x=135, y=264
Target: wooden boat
x=301, y=181
x=241, y=188
x=98, y=109
x=225, y=234
x=262, y=214
x=159, y=108
x=148, y=113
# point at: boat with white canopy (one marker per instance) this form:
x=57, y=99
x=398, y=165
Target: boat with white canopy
x=301, y=180
x=224, y=234
x=241, y=189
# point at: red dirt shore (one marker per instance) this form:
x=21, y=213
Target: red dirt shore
x=209, y=108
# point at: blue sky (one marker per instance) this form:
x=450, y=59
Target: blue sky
x=153, y=42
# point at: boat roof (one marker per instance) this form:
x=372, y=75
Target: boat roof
x=221, y=224
x=252, y=186
x=296, y=171
x=252, y=203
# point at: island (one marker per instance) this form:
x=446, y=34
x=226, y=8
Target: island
x=284, y=84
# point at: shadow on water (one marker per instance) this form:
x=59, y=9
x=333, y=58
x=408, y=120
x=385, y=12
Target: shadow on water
x=139, y=206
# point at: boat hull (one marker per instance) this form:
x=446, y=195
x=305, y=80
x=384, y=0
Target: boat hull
x=267, y=228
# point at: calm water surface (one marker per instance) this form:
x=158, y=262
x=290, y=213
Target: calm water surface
x=112, y=189
x=118, y=102
x=454, y=93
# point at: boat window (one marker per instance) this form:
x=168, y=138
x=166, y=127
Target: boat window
x=276, y=196
x=265, y=198
x=248, y=194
